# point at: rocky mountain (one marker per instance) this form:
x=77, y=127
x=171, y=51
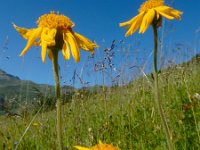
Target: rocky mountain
x=12, y=87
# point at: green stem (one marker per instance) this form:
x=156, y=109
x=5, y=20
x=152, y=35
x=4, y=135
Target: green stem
x=156, y=88
x=104, y=91
x=58, y=104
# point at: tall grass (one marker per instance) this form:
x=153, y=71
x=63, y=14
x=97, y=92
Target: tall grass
x=127, y=117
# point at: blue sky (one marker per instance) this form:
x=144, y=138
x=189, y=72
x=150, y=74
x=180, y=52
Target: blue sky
x=98, y=20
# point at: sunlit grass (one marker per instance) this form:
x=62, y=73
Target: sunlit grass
x=127, y=118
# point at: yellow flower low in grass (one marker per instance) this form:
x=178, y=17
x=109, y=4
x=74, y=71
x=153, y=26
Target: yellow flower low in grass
x=54, y=32
x=150, y=11
x=100, y=146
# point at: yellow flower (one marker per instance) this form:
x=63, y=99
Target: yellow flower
x=99, y=146
x=150, y=12
x=54, y=32
x=37, y=124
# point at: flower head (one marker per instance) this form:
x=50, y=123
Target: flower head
x=150, y=12
x=54, y=32
x=99, y=146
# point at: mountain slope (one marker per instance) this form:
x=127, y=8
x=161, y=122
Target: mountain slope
x=13, y=88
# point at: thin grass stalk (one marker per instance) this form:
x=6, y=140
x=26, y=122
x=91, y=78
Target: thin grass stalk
x=156, y=90
x=28, y=127
x=195, y=121
x=58, y=103
x=193, y=112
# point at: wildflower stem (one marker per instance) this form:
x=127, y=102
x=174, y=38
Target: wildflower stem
x=58, y=104
x=156, y=89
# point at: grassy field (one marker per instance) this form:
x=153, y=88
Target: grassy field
x=125, y=116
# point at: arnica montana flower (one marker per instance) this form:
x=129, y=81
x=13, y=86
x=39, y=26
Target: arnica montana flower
x=99, y=146
x=149, y=12
x=54, y=32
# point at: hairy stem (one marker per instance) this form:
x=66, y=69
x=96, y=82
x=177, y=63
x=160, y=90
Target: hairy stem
x=156, y=90
x=58, y=104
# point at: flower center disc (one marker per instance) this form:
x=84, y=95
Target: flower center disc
x=53, y=20
x=150, y=4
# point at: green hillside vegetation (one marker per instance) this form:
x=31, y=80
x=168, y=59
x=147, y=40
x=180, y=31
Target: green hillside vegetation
x=122, y=115
x=15, y=92
x=11, y=86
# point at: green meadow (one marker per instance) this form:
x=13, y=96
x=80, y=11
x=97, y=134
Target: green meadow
x=125, y=116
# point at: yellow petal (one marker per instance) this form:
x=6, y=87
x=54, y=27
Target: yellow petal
x=81, y=148
x=128, y=23
x=47, y=39
x=147, y=20
x=48, y=36
x=44, y=51
x=69, y=38
x=84, y=43
x=66, y=51
x=49, y=51
x=24, y=32
x=165, y=11
x=135, y=25
x=31, y=39
x=176, y=14
x=157, y=16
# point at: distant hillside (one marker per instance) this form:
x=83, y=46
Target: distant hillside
x=10, y=86
x=13, y=87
